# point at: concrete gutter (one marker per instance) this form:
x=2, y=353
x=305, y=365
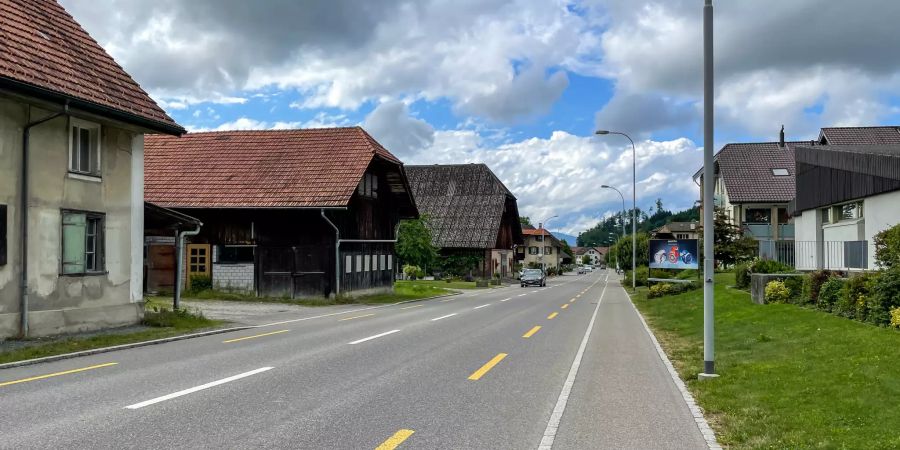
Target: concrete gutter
x=95, y=351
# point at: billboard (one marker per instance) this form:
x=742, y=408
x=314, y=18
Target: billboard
x=673, y=254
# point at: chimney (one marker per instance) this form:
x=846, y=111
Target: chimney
x=781, y=137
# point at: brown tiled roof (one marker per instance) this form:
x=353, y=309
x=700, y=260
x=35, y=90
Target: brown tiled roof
x=43, y=47
x=258, y=169
x=746, y=170
x=860, y=135
x=465, y=204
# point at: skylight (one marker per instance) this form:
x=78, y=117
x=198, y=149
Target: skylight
x=780, y=172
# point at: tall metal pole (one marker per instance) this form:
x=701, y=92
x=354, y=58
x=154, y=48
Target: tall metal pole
x=623, y=212
x=633, y=216
x=709, y=369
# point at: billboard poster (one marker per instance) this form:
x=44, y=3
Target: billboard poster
x=673, y=254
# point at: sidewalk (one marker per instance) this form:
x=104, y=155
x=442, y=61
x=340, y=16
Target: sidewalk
x=624, y=396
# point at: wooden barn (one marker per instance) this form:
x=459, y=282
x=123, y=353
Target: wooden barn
x=471, y=212
x=285, y=213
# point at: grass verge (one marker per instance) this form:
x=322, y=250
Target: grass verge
x=158, y=324
x=403, y=291
x=441, y=284
x=790, y=377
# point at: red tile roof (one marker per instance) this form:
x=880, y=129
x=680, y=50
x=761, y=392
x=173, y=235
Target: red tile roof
x=43, y=47
x=258, y=169
x=536, y=232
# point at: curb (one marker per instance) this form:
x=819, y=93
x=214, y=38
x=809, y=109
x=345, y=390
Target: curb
x=95, y=351
x=702, y=425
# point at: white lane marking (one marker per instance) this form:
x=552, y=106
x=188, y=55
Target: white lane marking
x=373, y=337
x=522, y=295
x=482, y=306
x=560, y=408
x=198, y=388
x=506, y=299
x=442, y=317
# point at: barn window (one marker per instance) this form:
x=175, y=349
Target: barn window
x=381, y=263
x=359, y=263
x=348, y=264
x=390, y=262
x=368, y=186
x=234, y=254
x=366, y=259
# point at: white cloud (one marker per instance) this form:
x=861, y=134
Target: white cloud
x=391, y=125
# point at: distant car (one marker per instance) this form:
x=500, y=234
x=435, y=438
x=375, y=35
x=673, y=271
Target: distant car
x=533, y=277
x=580, y=270
x=602, y=266
x=588, y=268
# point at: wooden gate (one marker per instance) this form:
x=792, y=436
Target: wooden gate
x=160, y=268
x=298, y=271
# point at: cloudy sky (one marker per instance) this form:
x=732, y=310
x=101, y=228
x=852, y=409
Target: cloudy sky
x=517, y=84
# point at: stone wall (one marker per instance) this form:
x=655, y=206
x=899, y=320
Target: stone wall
x=233, y=277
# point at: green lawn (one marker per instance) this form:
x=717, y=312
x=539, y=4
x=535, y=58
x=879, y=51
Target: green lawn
x=403, y=291
x=440, y=283
x=790, y=377
x=161, y=324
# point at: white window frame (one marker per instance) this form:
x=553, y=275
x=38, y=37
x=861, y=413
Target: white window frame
x=348, y=264
x=358, y=263
x=390, y=262
x=75, y=123
x=382, y=262
x=366, y=263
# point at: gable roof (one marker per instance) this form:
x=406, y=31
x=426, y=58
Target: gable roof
x=262, y=169
x=543, y=232
x=746, y=170
x=465, y=204
x=46, y=54
x=860, y=135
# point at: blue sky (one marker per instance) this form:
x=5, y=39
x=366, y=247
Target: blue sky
x=519, y=85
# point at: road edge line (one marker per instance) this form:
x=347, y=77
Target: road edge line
x=699, y=419
x=95, y=351
x=560, y=408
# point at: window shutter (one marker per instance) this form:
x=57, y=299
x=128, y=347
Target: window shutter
x=74, y=230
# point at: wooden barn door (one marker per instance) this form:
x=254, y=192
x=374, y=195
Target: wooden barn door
x=275, y=268
x=309, y=271
x=160, y=268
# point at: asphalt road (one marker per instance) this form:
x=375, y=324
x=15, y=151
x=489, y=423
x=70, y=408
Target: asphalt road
x=457, y=373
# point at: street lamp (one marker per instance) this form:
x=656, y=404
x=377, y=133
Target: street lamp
x=541, y=227
x=709, y=369
x=623, y=214
x=633, y=205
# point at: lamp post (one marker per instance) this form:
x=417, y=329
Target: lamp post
x=709, y=370
x=541, y=227
x=633, y=205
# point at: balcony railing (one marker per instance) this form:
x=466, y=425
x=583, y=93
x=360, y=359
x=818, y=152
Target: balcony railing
x=758, y=231
x=812, y=255
x=786, y=231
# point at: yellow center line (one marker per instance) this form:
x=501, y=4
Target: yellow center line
x=552, y=315
x=487, y=366
x=564, y=306
x=356, y=317
x=392, y=442
x=255, y=336
x=49, y=375
x=531, y=332
x=413, y=306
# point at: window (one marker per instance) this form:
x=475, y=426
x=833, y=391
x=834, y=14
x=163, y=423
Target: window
x=548, y=250
x=759, y=215
x=82, y=243
x=780, y=172
x=366, y=260
x=368, y=186
x=381, y=263
x=234, y=254
x=390, y=262
x=681, y=236
x=826, y=216
x=849, y=211
x=533, y=250
x=359, y=263
x=348, y=264
x=84, y=148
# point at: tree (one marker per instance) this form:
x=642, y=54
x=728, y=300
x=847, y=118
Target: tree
x=585, y=259
x=525, y=220
x=623, y=250
x=566, y=248
x=414, y=245
x=731, y=246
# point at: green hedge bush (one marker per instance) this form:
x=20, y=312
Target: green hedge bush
x=885, y=297
x=829, y=293
x=742, y=275
x=777, y=292
x=769, y=266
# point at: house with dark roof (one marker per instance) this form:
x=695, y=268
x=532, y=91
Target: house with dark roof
x=293, y=213
x=677, y=230
x=877, y=135
x=72, y=126
x=846, y=194
x=596, y=255
x=754, y=183
x=470, y=212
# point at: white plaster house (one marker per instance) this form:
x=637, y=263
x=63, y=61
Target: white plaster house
x=72, y=126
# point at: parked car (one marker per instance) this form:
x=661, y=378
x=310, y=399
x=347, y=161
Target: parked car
x=533, y=277
x=580, y=270
x=588, y=268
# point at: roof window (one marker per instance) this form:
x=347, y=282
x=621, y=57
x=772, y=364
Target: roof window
x=780, y=172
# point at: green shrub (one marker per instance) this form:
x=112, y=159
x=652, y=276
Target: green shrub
x=660, y=290
x=858, y=291
x=794, y=286
x=885, y=297
x=769, y=266
x=201, y=283
x=887, y=247
x=742, y=275
x=812, y=283
x=413, y=272
x=777, y=292
x=642, y=274
x=830, y=293
x=895, y=318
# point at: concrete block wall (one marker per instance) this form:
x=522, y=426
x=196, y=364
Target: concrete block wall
x=233, y=277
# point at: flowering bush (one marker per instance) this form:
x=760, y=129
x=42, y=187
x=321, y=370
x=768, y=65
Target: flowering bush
x=895, y=317
x=660, y=290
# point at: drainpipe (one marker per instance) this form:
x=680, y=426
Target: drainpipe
x=179, y=262
x=337, y=254
x=23, y=207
